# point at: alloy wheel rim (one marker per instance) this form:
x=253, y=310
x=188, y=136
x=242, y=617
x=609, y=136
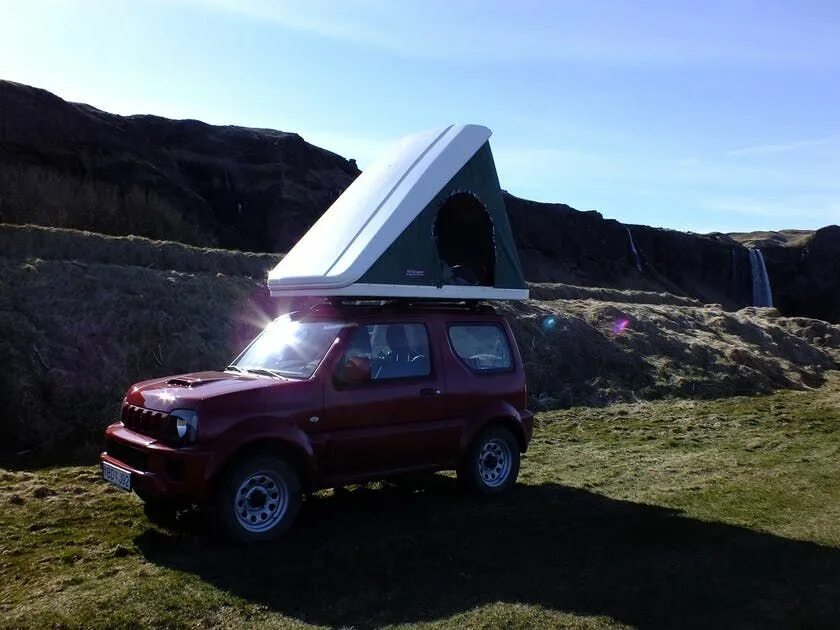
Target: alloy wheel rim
x=261, y=501
x=494, y=462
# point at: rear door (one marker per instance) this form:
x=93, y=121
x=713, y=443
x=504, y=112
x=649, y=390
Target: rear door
x=483, y=369
x=384, y=407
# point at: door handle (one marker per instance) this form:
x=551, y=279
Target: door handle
x=428, y=392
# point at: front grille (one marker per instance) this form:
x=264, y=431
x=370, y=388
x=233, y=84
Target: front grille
x=155, y=424
x=133, y=457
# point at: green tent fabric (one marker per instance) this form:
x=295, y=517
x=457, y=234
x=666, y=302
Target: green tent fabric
x=414, y=256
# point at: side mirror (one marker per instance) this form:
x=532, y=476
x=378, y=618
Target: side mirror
x=356, y=370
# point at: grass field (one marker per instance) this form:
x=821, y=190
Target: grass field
x=722, y=513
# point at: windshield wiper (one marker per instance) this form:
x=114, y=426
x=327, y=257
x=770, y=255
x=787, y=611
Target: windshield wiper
x=264, y=371
x=234, y=368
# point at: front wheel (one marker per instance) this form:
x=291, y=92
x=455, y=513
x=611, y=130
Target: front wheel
x=491, y=464
x=258, y=500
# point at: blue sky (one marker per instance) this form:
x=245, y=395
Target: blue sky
x=698, y=116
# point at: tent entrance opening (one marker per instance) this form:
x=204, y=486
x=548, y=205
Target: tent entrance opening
x=464, y=236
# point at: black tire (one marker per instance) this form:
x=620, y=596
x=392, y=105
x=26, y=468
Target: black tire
x=491, y=463
x=162, y=513
x=258, y=499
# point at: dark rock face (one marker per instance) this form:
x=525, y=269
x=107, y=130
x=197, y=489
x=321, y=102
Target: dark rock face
x=70, y=165
x=806, y=278
x=560, y=244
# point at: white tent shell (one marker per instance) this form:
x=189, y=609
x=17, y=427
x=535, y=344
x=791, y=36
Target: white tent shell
x=337, y=251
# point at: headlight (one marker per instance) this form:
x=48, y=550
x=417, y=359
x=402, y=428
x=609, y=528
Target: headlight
x=186, y=424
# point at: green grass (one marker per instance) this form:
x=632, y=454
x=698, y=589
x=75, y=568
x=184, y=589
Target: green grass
x=663, y=514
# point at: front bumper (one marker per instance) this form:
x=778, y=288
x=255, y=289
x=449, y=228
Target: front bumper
x=158, y=470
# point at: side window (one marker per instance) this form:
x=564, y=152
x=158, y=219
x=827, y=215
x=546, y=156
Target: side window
x=381, y=352
x=482, y=347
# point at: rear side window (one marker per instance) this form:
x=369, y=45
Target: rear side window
x=483, y=347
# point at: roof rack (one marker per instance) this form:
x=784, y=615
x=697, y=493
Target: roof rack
x=392, y=304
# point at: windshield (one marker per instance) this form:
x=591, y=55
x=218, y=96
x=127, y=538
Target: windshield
x=289, y=348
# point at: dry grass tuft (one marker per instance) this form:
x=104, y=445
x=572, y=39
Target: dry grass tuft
x=82, y=316
x=24, y=242
x=589, y=352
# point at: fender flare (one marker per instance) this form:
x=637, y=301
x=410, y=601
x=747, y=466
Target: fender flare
x=276, y=435
x=499, y=413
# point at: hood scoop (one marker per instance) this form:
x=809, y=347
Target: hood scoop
x=186, y=381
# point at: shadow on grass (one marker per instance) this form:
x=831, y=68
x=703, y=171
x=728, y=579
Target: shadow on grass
x=409, y=553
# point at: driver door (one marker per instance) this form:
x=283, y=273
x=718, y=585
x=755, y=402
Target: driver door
x=385, y=408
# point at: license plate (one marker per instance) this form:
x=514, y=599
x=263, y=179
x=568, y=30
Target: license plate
x=116, y=476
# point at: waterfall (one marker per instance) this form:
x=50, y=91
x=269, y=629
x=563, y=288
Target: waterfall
x=634, y=250
x=762, y=294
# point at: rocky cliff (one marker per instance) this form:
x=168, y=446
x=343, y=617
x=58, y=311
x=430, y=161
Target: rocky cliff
x=804, y=271
x=560, y=244
x=71, y=165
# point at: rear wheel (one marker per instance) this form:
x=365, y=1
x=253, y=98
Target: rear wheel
x=258, y=500
x=491, y=463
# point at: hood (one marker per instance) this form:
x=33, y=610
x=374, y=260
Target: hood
x=186, y=391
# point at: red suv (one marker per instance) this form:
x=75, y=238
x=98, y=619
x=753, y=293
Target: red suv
x=332, y=395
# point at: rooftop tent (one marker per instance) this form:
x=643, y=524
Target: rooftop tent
x=425, y=221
